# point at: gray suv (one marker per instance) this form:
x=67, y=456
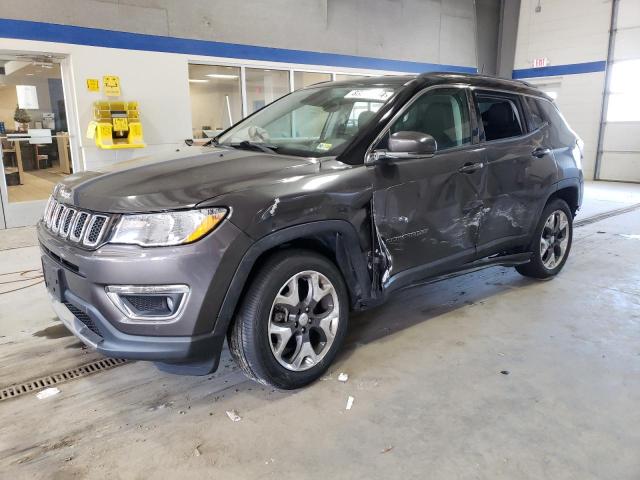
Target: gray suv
x=321, y=203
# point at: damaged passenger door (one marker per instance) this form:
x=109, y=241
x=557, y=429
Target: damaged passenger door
x=520, y=170
x=426, y=208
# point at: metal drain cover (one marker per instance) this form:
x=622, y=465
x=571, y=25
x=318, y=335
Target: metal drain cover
x=32, y=386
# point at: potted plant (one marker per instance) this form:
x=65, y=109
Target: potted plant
x=22, y=117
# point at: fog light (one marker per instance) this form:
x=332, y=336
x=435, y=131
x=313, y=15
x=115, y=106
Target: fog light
x=149, y=303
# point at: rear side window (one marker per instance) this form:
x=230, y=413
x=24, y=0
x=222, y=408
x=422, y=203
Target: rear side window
x=442, y=113
x=500, y=117
x=537, y=117
x=559, y=125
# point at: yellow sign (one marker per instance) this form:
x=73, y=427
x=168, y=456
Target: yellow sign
x=111, y=85
x=93, y=84
x=120, y=124
x=105, y=130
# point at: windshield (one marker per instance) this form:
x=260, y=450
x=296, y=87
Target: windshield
x=311, y=122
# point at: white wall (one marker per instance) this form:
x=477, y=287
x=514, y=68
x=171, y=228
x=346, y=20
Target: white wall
x=569, y=32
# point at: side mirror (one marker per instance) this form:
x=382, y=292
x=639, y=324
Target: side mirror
x=405, y=145
x=412, y=143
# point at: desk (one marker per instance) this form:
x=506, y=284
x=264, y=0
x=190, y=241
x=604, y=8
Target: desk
x=62, y=139
x=18, y=152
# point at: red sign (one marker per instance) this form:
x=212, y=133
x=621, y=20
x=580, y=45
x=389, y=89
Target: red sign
x=540, y=62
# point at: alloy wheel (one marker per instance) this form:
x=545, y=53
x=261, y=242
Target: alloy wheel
x=303, y=320
x=554, y=239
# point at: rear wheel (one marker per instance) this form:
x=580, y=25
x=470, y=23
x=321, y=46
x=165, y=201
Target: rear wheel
x=551, y=241
x=292, y=320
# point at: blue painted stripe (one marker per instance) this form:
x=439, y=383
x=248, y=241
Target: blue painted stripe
x=554, y=70
x=51, y=32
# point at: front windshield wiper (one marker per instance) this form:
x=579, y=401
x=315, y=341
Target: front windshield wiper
x=247, y=145
x=213, y=141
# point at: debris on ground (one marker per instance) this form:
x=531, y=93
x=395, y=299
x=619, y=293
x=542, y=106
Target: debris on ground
x=343, y=377
x=350, y=402
x=387, y=449
x=504, y=372
x=233, y=416
x=196, y=451
x=48, y=392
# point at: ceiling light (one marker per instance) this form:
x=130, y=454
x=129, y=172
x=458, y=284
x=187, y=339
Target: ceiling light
x=197, y=80
x=224, y=76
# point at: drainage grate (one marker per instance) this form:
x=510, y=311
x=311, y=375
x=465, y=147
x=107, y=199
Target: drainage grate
x=604, y=215
x=85, y=370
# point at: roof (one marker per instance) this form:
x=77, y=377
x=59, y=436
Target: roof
x=433, y=78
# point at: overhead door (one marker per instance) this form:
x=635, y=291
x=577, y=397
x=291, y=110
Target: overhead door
x=620, y=145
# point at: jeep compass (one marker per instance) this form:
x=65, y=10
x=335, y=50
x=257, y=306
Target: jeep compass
x=324, y=202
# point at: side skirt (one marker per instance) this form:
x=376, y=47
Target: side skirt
x=510, y=260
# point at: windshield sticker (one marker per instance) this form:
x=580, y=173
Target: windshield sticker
x=324, y=147
x=370, y=94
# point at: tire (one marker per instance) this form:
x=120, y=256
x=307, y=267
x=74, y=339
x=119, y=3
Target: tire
x=258, y=338
x=542, y=265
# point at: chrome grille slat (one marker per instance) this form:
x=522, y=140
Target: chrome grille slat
x=79, y=226
x=57, y=217
x=65, y=226
x=47, y=211
x=54, y=207
x=94, y=230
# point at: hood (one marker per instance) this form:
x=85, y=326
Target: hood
x=181, y=180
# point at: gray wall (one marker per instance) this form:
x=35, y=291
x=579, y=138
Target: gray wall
x=508, y=34
x=487, y=31
x=435, y=31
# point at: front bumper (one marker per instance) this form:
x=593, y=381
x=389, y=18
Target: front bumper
x=88, y=324
x=80, y=300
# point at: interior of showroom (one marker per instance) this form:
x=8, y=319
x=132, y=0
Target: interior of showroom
x=485, y=375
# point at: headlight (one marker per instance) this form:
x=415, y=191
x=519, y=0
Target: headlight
x=168, y=228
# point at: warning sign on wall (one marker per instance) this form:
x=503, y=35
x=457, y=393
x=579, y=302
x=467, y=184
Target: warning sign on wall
x=93, y=84
x=111, y=85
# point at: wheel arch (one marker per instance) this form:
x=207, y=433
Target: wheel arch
x=334, y=239
x=569, y=190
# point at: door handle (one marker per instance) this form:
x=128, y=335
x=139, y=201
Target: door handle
x=541, y=152
x=471, y=167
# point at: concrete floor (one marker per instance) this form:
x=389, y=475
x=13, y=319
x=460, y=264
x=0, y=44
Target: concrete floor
x=424, y=369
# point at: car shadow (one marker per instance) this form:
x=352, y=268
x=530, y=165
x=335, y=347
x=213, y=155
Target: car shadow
x=422, y=303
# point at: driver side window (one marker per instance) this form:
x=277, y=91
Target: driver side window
x=442, y=113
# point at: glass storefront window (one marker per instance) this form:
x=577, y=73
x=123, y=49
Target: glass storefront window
x=305, y=79
x=216, y=102
x=33, y=129
x=264, y=86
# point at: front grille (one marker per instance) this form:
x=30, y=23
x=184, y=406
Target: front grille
x=83, y=317
x=84, y=228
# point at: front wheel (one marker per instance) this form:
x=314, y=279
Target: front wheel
x=292, y=320
x=551, y=241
